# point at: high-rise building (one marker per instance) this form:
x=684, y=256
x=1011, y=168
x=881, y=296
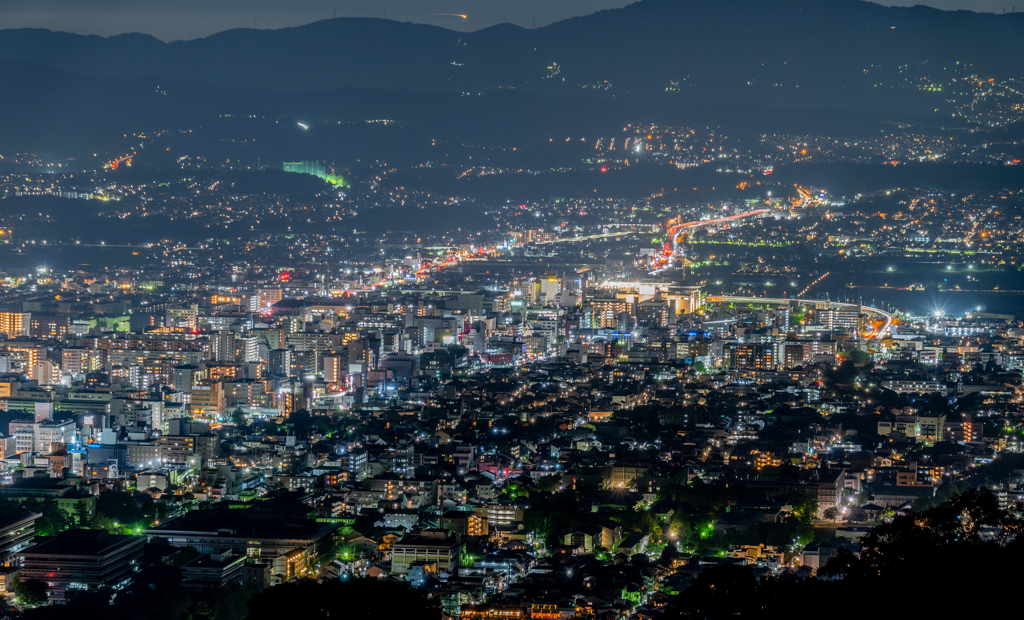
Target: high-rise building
x=47, y=373
x=15, y=324
x=794, y=354
x=183, y=318
x=606, y=311
x=332, y=369
x=281, y=363
x=244, y=393
x=267, y=297
x=247, y=349
x=844, y=318
x=783, y=317
x=24, y=358
x=221, y=347
x=185, y=376
x=49, y=325
x=177, y=449
x=550, y=285
x=821, y=347
x=653, y=312
x=355, y=463
x=750, y=356
x=80, y=360
x=207, y=400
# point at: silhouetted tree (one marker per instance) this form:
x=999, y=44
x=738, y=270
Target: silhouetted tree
x=724, y=591
x=356, y=598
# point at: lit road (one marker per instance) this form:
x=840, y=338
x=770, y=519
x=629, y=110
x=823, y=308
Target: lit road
x=144, y=246
x=452, y=258
x=587, y=238
x=117, y=162
x=872, y=335
x=805, y=198
x=676, y=231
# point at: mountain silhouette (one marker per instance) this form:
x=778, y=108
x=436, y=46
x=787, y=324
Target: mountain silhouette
x=799, y=54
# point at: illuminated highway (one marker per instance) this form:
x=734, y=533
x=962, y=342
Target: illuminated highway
x=117, y=162
x=805, y=199
x=587, y=238
x=676, y=232
x=871, y=335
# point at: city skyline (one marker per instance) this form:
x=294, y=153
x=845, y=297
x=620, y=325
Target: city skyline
x=676, y=310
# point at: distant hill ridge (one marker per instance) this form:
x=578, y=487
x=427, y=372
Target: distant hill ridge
x=785, y=53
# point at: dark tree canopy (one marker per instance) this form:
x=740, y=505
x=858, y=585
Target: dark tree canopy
x=967, y=541
x=357, y=598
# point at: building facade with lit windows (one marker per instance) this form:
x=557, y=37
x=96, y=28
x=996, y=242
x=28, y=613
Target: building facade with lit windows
x=606, y=311
x=500, y=515
x=431, y=547
x=750, y=356
x=15, y=324
x=41, y=436
x=494, y=613
x=464, y=523
x=207, y=400
x=49, y=325
x=82, y=560
x=270, y=533
x=17, y=530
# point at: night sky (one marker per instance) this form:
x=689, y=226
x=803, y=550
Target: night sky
x=182, y=19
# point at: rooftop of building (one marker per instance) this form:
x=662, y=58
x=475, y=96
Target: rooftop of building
x=283, y=516
x=81, y=542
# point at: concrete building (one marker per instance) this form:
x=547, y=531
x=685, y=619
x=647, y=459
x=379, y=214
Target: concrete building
x=15, y=324
x=17, y=529
x=41, y=436
x=213, y=569
x=82, y=560
x=434, y=547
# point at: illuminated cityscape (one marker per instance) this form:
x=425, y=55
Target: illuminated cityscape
x=536, y=339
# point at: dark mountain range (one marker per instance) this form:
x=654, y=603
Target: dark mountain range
x=844, y=54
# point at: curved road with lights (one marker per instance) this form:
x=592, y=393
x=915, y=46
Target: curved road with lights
x=671, y=246
x=873, y=335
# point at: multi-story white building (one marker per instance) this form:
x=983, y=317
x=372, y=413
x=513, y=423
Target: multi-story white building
x=434, y=548
x=39, y=436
